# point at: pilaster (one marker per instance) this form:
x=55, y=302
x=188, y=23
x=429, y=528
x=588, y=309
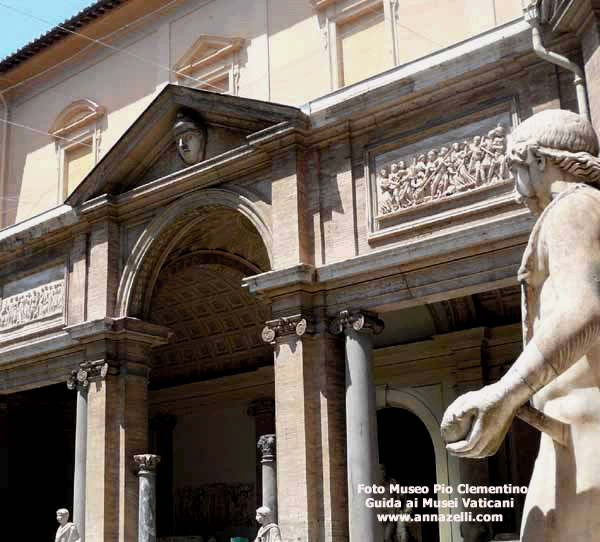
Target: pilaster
x=311, y=463
x=116, y=378
x=292, y=239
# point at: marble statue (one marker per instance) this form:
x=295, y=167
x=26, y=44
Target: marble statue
x=190, y=136
x=67, y=531
x=553, y=158
x=268, y=531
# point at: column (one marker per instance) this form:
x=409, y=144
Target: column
x=117, y=420
x=312, y=499
x=266, y=445
x=147, y=464
x=263, y=412
x=361, y=421
x=78, y=380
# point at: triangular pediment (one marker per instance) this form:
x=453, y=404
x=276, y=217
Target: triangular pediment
x=147, y=151
x=206, y=51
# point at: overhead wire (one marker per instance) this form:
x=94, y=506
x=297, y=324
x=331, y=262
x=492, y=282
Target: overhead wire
x=32, y=129
x=94, y=41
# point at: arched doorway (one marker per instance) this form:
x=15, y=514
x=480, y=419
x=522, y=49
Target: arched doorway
x=407, y=455
x=185, y=274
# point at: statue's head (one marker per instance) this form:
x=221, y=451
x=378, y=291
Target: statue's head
x=553, y=145
x=264, y=515
x=62, y=516
x=190, y=136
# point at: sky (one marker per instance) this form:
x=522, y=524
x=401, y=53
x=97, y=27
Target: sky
x=22, y=21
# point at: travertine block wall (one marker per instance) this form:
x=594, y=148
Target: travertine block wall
x=311, y=461
x=117, y=430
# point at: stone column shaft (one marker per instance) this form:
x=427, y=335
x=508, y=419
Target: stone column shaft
x=80, y=455
x=266, y=445
x=263, y=412
x=361, y=421
x=147, y=464
x=311, y=459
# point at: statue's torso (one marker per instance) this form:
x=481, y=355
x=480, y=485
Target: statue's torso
x=565, y=487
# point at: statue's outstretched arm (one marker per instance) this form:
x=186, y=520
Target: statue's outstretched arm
x=476, y=423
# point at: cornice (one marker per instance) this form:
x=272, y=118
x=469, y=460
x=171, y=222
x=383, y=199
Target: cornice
x=575, y=15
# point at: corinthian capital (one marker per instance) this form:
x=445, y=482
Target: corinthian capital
x=357, y=320
x=146, y=462
x=267, y=445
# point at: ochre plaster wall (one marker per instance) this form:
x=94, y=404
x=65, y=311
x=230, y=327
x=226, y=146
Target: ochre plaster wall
x=286, y=58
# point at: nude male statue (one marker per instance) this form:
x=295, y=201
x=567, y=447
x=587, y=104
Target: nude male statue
x=553, y=157
x=67, y=531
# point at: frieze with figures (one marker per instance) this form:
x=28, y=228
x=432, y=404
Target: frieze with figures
x=31, y=305
x=443, y=172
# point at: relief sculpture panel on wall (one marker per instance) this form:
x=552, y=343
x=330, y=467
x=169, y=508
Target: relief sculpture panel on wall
x=442, y=166
x=35, y=297
x=32, y=305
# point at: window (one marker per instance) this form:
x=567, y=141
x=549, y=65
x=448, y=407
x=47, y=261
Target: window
x=211, y=63
x=76, y=132
x=361, y=47
x=356, y=36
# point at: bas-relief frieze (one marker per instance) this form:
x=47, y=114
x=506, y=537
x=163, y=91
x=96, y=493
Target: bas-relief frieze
x=32, y=298
x=32, y=305
x=443, y=172
x=441, y=167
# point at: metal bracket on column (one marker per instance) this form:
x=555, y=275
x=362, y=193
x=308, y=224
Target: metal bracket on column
x=359, y=320
x=289, y=325
x=90, y=371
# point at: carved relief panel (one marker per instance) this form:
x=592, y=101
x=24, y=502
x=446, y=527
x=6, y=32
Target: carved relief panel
x=451, y=167
x=37, y=298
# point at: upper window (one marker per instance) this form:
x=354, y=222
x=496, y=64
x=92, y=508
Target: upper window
x=76, y=132
x=211, y=63
x=355, y=32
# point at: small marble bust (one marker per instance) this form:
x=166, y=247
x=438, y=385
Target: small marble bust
x=190, y=136
x=67, y=531
x=269, y=530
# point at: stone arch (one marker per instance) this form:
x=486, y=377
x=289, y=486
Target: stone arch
x=414, y=403
x=166, y=231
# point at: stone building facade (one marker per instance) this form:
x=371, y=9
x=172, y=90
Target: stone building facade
x=334, y=267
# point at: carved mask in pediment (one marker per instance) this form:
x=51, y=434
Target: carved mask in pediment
x=190, y=136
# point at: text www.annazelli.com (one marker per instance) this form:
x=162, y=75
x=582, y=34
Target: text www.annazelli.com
x=463, y=516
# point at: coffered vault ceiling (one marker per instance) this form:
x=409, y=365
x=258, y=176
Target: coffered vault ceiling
x=216, y=323
x=198, y=295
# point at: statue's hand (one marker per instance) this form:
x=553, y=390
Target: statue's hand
x=475, y=424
